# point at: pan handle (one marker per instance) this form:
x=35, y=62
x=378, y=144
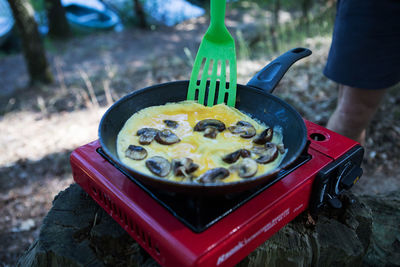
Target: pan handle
x=268, y=78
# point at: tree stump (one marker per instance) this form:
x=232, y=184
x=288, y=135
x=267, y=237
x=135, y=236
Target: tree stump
x=77, y=232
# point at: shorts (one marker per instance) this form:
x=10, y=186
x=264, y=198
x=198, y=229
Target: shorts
x=365, y=49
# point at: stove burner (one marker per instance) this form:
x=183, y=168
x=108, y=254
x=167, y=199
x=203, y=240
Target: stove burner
x=199, y=213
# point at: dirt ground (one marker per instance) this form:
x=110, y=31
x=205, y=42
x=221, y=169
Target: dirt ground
x=39, y=127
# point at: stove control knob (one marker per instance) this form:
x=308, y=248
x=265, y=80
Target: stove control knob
x=350, y=177
x=335, y=178
x=347, y=177
x=334, y=202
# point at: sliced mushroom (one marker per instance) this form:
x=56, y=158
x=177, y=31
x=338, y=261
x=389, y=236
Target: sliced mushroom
x=135, y=152
x=244, y=153
x=183, y=166
x=211, y=132
x=202, y=125
x=147, y=135
x=258, y=150
x=264, y=137
x=269, y=154
x=159, y=166
x=244, y=128
x=246, y=168
x=232, y=157
x=281, y=148
x=167, y=137
x=171, y=124
x=213, y=175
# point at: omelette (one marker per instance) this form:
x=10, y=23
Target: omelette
x=190, y=142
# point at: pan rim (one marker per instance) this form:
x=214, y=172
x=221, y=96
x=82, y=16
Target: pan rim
x=198, y=186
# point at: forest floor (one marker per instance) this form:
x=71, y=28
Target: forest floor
x=40, y=126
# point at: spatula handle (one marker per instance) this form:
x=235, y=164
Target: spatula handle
x=217, y=23
x=268, y=78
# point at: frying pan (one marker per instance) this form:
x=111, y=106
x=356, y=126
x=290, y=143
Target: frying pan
x=254, y=99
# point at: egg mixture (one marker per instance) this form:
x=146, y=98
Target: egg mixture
x=207, y=153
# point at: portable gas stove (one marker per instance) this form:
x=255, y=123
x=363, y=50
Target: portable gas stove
x=220, y=231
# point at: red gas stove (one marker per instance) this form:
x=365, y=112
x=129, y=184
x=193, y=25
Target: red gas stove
x=220, y=231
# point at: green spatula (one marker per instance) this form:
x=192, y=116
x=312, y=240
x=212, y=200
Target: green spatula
x=215, y=61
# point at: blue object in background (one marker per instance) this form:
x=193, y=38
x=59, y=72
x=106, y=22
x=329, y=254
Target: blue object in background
x=90, y=14
x=6, y=21
x=171, y=12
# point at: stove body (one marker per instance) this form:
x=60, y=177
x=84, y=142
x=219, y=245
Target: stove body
x=331, y=165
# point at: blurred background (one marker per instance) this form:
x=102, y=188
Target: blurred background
x=64, y=62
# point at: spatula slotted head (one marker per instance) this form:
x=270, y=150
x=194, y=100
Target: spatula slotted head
x=213, y=79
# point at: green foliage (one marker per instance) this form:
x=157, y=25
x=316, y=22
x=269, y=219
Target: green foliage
x=316, y=21
x=243, y=50
x=38, y=5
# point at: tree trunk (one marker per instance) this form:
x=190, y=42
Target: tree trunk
x=58, y=24
x=306, y=7
x=32, y=44
x=275, y=25
x=138, y=10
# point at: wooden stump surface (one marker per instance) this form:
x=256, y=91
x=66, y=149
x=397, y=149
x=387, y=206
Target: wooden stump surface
x=77, y=232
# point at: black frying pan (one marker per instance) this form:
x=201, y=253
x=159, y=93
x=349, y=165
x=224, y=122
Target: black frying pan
x=255, y=99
